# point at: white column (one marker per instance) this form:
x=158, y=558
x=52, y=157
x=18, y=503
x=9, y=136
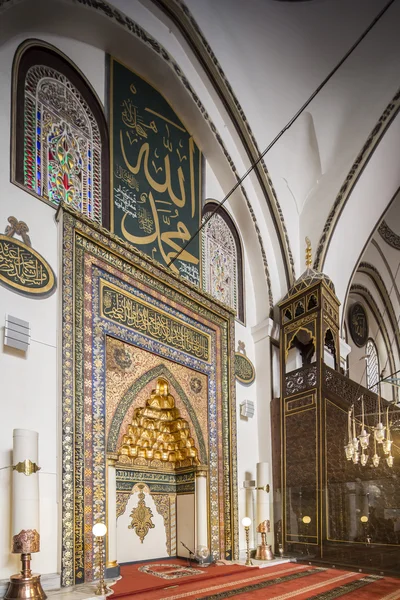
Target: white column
x=201, y=518
x=263, y=502
x=25, y=493
x=262, y=334
x=345, y=350
x=111, y=513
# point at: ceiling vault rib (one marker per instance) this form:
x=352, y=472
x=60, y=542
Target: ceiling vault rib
x=357, y=168
x=369, y=240
x=180, y=15
x=383, y=257
x=115, y=15
x=362, y=291
x=389, y=235
x=379, y=284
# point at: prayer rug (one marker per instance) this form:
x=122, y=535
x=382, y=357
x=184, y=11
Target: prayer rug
x=169, y=571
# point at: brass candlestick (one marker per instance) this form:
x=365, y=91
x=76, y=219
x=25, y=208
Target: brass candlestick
x=264, y=551
x=99, y=531
x=246, y=522
x=26, y=585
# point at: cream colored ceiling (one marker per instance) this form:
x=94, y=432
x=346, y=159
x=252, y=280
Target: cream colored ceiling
x=245, y=68
x=273, y=56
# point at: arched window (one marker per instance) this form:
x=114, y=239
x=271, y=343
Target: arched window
x=60, y=133
x=222, y=268
x=372, y=367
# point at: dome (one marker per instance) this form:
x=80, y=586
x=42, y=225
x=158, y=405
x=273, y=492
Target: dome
x=307, y=279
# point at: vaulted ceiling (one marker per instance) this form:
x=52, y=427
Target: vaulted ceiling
x=238, y=72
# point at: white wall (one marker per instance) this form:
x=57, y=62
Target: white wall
x=30, y=384
x=293, y=48
x=129, y=546
x=185, y=523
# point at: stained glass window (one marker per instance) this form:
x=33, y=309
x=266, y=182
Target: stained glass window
x=372, y=368
x=60, y=143
x=222, y=260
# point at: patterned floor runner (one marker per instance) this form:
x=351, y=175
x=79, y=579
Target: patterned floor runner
x=280, y=582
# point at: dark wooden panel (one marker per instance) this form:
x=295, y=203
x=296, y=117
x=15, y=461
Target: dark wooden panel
x=300, y=472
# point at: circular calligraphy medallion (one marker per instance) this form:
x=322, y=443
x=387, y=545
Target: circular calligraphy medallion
x=244, y=369
x=358, y=324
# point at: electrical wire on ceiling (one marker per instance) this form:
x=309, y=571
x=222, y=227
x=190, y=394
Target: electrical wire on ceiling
x=287, y=126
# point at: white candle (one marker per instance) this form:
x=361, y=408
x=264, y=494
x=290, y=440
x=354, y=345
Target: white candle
x=25, y=494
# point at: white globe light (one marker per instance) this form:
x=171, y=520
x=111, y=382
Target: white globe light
x=246, y=522
x=99, y=530
x=202, y=552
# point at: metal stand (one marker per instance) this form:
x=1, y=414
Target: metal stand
x=101, y=589
x=26, y=585
x=248, y=562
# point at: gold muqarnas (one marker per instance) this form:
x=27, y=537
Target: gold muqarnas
x=158, y=433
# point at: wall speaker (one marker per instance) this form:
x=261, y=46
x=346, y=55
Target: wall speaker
x=247, y=409
x=17, y=333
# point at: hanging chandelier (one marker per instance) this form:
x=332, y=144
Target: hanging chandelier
x=357, y=445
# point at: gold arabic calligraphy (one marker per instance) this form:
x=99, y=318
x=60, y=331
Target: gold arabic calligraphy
x=160, y=155
x=125, y=309
x=20, y=266
x=244, y=369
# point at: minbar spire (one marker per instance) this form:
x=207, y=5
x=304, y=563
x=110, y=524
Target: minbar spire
x=308, y=253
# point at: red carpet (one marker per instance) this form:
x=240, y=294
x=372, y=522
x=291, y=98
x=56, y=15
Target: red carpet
x=280, y=582
x=134, y=581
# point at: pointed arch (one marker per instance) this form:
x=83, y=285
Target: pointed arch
x=129, y=397
x=60, y=138
x=372, y=366
x=362, y=291
x=375, y=137
x=222, y=259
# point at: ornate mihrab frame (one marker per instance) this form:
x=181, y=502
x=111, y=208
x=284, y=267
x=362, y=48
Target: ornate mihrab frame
x=92, y=255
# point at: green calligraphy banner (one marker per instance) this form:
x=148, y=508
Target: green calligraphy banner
x=158, y=482
x=156, y=171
